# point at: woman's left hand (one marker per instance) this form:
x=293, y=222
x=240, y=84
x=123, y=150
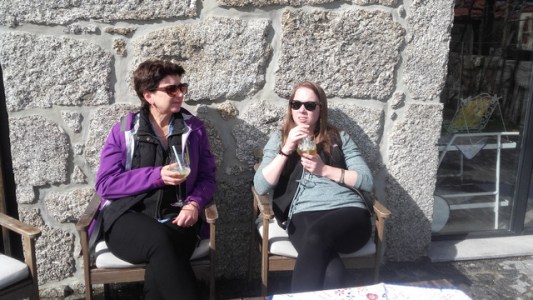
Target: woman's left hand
x=187, y=216
x=312, y=163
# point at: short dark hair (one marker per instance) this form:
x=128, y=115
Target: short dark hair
x=150, y=72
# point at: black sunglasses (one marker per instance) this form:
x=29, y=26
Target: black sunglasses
x=310, y=106
x=173, y=89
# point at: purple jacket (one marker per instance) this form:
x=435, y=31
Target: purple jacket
x=114, y=180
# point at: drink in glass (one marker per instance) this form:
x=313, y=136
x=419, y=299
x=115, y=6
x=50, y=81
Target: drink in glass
x=180, y=165
x=307, y=145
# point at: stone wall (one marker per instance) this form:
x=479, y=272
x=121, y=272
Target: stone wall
x=67, y=67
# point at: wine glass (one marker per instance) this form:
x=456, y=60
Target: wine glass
x=180, y=165
x=307, y=145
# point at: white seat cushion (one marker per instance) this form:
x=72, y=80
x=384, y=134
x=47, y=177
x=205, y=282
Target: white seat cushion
x=106, y=259
x=12, y=271
x=279, y=244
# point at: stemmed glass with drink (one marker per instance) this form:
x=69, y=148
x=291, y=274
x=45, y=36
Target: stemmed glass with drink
x=308, y=146
x=178, y=164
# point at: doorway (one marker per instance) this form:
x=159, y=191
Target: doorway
x=484, y=183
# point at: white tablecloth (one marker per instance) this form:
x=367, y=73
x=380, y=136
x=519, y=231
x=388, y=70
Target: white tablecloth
x=378, y=292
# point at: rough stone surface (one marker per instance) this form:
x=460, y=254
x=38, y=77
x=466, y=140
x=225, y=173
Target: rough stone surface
x=227, y=110
x=78, y=148
x=240, y=205
x=81, y=29
x=409, y=192
x=68, y=206
x=429, y=24
x=25, y=194
x=73, y=120
x=364, y=125
x=230, y=258
x=372, y=2
x=41, y=71
x=78, y=176
x=100, y=123
x=258, y=122
x=215, y=142
x=233, y=200
x=42, y=149
x=261, y=3
x=352, y=53
x=54, y=248
x=15, y=12
x=119, y=45
x=125, y=31
x=61, y=291
x=398, y=100
x=223, y=57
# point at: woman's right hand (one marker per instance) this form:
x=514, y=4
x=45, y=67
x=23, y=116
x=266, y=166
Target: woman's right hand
x=295, y=135
x=171, y=177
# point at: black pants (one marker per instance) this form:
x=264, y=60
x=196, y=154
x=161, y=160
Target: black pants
x=319, y=237
x=165, y=248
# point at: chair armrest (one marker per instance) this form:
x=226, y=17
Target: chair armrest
x=29, y=235
x=381, y=211
x=263, y=204
x=19, y=227
x=89, y=213
x=211, y=213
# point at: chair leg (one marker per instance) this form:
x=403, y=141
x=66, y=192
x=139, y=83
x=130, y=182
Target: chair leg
x=212, y=262
x=88, y=290
x=264, y=258
x=212, y=282
x=264, y=275
x=35, y=295
x=377, y=266
x=107, y=291
x=376, y=272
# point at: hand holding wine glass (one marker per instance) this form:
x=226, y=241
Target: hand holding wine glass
x=182, y=167
x=307, y=145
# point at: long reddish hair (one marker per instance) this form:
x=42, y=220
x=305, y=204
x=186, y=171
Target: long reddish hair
x=326, y=135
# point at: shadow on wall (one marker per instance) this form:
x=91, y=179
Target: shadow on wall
x=408, y=229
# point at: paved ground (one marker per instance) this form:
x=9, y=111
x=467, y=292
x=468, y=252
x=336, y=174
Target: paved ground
x=508, y=278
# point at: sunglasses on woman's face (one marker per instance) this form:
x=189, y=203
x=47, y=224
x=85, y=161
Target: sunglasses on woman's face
x=173, y=89
x=310, y=106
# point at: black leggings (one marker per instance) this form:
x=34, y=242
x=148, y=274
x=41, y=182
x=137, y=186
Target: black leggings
x=319, y=237
x=165, y=248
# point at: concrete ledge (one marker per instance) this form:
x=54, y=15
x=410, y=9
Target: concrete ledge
x=498, y=247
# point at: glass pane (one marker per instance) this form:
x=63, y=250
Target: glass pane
x=485, y=99
x=475, y=181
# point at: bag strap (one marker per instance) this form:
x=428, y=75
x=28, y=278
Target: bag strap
x=369, y=203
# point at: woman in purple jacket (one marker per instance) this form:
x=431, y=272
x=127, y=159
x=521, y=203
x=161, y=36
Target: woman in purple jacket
x=142, y=220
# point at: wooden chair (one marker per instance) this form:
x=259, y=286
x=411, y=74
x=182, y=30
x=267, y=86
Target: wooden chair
x=278, y=254
x=19, y=280
x=107, y=268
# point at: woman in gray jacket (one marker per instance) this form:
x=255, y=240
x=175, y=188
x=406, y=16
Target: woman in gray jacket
x=324, y=217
